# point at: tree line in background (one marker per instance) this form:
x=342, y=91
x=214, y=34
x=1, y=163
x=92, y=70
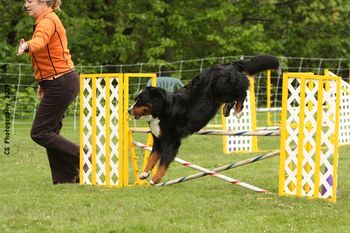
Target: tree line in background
x=123, y=31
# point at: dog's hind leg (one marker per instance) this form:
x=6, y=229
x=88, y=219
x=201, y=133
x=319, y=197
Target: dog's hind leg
x=227, y=109
x=238, y=107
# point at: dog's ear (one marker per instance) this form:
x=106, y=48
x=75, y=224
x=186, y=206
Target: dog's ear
x=158, y=96
x=156, y=93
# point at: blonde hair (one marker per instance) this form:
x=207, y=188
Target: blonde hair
x=54, y=4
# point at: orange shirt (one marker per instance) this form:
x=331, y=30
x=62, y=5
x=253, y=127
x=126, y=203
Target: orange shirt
x=48, y=47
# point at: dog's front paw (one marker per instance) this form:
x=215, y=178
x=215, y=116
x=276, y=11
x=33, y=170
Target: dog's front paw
x=152, y=182
x=144, y=175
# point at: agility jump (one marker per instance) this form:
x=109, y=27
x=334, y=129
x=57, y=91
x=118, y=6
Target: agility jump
x=106, y=162
x=310, y=121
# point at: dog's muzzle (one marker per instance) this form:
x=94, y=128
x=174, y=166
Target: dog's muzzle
x=132, y=113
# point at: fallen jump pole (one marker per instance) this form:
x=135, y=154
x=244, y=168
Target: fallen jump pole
x=223, y=168
x=209, y=172
x=220, y=176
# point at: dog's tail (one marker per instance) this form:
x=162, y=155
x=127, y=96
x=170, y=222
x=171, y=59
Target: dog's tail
x=257, y=64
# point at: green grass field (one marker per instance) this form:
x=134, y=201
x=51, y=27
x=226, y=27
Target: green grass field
x=30, y=203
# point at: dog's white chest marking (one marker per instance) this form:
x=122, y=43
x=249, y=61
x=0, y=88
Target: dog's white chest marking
x=154, y=125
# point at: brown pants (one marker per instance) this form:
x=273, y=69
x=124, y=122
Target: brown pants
x=63, y=155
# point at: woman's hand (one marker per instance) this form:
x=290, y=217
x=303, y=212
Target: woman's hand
x=23, y=46
x=40, y=92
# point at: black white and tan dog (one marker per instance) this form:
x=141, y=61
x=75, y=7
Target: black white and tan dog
x=176, y=115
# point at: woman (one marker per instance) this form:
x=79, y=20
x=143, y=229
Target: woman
x=58, y=86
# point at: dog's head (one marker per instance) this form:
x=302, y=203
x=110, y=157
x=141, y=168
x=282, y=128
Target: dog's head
x=149, y=101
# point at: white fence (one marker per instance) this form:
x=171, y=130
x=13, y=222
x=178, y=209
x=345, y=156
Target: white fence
x=18, y=79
